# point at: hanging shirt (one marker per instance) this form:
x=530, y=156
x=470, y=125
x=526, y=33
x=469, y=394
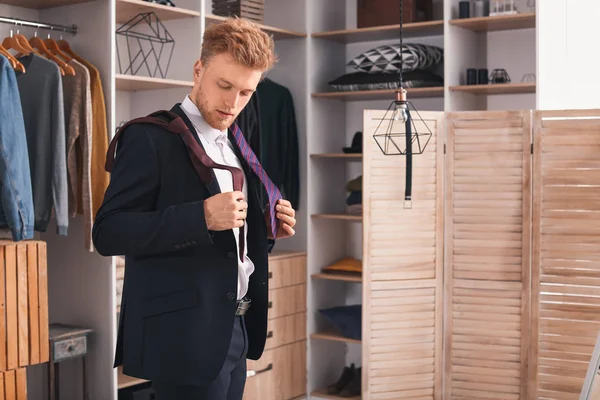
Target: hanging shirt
x=42, y=104
x=17, y=212
x=279, y=139
x=220, y=150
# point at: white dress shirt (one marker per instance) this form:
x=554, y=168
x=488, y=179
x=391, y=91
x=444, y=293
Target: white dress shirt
x=220, y=150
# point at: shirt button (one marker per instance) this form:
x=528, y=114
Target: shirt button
x=230, y=296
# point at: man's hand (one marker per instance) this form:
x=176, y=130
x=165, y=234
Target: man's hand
x=225, y=211
x=286, y=215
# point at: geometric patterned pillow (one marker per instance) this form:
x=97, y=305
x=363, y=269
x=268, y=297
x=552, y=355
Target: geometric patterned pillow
x=387, y=58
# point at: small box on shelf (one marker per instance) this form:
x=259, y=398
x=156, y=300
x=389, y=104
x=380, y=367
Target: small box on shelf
x=249, y=9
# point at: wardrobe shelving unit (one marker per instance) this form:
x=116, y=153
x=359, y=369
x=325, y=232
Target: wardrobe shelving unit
x=314, y=40
x=487, y=42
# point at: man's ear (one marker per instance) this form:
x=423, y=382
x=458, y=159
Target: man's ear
x=198, y=70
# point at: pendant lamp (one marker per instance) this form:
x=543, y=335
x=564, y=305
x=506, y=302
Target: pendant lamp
x=402, y=127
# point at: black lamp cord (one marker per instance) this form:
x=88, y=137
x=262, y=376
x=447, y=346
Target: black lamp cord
x=407, y=124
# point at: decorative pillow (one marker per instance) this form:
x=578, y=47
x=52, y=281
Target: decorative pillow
x=387, y=58
x=355, y=81
x=346, y=319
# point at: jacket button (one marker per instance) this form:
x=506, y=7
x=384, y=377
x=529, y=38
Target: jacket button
x=231, y=254
x=230, y=296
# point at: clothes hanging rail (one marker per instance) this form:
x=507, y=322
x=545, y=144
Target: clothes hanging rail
x=40, y=25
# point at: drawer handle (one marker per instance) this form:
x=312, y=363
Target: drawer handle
x=270, y=274
x=252, y=372
x=270, y=305
x=269, y=334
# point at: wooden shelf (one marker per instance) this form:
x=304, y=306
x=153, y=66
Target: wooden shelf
x=496, y=23
x=386, y=94
x=343, y=156
x=346, y=217
x=497, y=88
x=133, y=83
x=323, y=395
x=277, y=33
x=127, y=9
x=336, y=337
x=43, y=4
x=127, y=381
x=338, y=277
x=414, y=29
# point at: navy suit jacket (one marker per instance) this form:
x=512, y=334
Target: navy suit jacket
x=180, y=287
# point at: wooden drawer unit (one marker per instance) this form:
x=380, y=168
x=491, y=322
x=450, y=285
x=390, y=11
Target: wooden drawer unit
x=287, y=270
x=286, y=330
x=280, y=374
x=287, y=301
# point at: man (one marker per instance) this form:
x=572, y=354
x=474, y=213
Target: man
x=195, y=292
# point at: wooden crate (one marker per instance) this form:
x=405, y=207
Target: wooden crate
x=23, y=304
x=249, y=9
x=13, y=384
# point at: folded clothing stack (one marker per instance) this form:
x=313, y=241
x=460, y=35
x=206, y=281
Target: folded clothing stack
x=120, y=275
x=354, y=200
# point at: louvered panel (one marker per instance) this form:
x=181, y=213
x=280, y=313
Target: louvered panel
x=486, y=262
x=403, y=267
x=566, y=251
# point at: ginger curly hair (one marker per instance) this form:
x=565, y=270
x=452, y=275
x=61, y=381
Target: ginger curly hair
x=243, y=40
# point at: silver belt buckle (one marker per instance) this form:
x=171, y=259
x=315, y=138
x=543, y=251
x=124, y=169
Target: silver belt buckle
x=242, y=306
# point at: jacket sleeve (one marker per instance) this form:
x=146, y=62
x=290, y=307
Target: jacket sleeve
x=15, y=176
x=127, y=222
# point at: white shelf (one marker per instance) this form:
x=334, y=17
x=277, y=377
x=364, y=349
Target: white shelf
x=371, y=34
x=134, y=83
x=496, y=23
x=127, y=9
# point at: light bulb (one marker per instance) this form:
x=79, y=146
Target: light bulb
x=400, y=113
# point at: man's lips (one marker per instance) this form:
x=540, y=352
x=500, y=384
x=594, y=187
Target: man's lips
x=224, y=114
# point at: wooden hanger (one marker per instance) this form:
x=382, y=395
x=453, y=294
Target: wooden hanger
x=23, y=42
x=16, y=64
x=64, y=46
x=37, y=43
x=54, y=49
x=11, y=42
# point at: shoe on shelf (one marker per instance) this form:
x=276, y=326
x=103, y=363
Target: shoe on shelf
x=353, y=388
x=345, y=378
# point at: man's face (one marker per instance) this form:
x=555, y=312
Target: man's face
x=222, y=88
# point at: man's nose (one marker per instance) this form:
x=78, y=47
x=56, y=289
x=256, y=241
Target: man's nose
x=232, y=101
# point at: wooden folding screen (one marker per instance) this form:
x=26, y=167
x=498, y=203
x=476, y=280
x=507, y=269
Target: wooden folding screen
x=402, y=262
x=487, y=254
x=566, y=251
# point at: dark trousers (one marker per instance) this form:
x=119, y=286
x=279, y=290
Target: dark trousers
x=230, y=382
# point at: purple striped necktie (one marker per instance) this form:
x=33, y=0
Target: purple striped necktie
x=272, y=192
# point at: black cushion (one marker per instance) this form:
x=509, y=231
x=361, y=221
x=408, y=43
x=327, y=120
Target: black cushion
x=346, y=319
x=355, y=81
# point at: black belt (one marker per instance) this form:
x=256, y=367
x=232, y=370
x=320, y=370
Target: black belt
x=242, y=306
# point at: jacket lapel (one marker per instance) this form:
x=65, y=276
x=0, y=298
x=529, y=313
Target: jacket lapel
x=213, y=187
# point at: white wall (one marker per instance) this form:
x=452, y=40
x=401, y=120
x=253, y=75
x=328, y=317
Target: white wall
x=568, y=58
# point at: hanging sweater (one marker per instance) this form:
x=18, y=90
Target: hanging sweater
x=41, y=94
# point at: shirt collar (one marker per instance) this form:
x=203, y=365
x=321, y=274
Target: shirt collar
x=208, y=132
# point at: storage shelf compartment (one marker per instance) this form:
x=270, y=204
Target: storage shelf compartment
x=496, y=88
x=344, y=156
x=347, y=217
x=413, y=29
x=127, y=381
x=336, y=337
x=338, y=277
x=277, y=33
x=384, y=94
x=496, y=23
x=42, y=4
x=127, y=9
x=323, y=395
x=133, y=83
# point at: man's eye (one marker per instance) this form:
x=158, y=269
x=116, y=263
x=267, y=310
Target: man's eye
x=224, y=87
